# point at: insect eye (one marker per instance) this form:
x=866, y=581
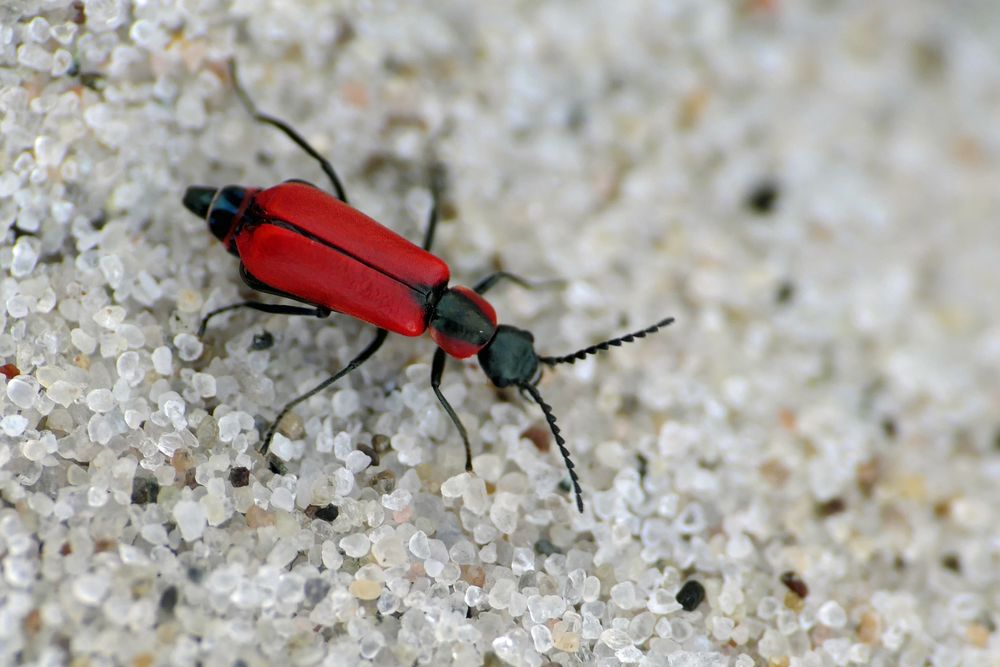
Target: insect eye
x=224, y=209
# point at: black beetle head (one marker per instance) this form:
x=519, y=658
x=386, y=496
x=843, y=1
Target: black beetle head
x=510, y=358
x=198, y=199
x=218, y=206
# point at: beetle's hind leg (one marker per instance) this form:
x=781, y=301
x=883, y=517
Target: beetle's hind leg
x=355, y=362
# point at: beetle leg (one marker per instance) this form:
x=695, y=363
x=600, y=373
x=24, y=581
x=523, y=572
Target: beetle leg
x=436, y=185
x=273, y=308
x=437, y=370
x=288, y=131
x=355, y=362
x=489, y=281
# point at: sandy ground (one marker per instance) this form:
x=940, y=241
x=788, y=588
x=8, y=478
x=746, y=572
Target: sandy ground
x=810, y=189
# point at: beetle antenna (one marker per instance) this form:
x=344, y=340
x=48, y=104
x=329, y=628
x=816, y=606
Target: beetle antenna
x=551, y=418
x=605, y=345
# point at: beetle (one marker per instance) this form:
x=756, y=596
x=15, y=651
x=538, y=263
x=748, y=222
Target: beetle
x=296, y=241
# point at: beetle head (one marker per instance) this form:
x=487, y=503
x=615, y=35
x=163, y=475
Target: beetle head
x=218, y=206
x=510, y=358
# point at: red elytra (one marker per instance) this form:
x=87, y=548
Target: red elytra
x=299, y=240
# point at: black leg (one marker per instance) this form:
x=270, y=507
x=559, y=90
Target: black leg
x=357, y=361
x=273, y=308
x=436, y=185
x=489, y=281
x=437, y=370
x=289, y=132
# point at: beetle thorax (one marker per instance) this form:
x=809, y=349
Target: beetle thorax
x=462, y=322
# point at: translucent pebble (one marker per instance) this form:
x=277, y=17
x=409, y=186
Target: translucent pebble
x=343, y=445
x=229, y=426
x=616, y=639
x=110, y=317
x=739, y=547
x=488, y=466
x=14, y=425
x=163, y=360
x=662, y=602
x=332, y=558
x=34, y=57
x=90, y=589
x=522, y=561
x=397, y=500
x=25, y=256
x=133, y=335
x=282, y=499
x=730, y=597
x=22, y=391
x=771, y=644
x=113, y=269
x=543, y=607
x=148, y=35
x=475, y=497
x=433, y=567
x=691, y=519
x=463, y=552
x=343, y=481
x=500, y=593
x=453, y=487
x=36, y=449
x=83, y=341
x=370, y=644
x=831, y=614
x=49, y=151
x=129, y=368
x=389, y=551
x=38, y=30
x=503, y=518
x=9, y=184
x=18, y=306
x=357, y=461
x=355, y=545
x=345, y=403
x=624, y=595
x=64, y=393
x=101, y=400
x=628, y=655
x=365, y=589
x=154, y=533
x=190, y=519
x=62, y=61
x=419, y=545
x=188, y=347
x=722, y=628
x=838, y=647
x=204, y=384
x=568, y=642
x=591, y=588
x=474, y=596
x=542, y=638
x=64, y=32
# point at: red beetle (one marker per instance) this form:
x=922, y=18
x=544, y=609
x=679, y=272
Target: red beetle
x=298, y=242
